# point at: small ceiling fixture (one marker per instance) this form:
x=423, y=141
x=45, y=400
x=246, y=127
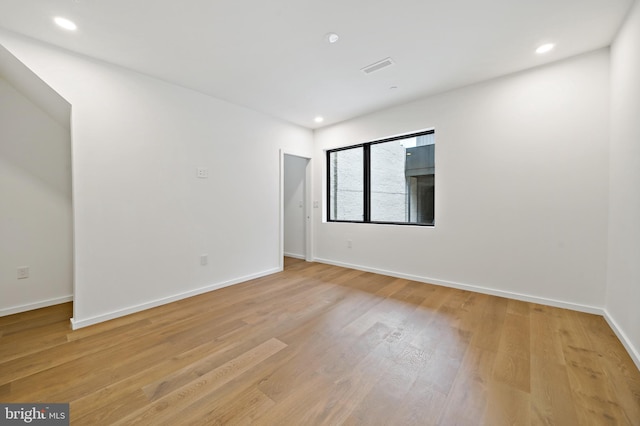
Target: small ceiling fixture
x=545, y=48
x=331, y=37
x=65, y=23
x=318, y=119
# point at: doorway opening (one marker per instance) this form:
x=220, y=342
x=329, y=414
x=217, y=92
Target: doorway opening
x=295, y=209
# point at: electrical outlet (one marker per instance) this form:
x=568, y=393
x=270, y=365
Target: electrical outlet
x=349, y=244
x=202, y=172
x=204, y=259
x=316, y=204
x=23, y=272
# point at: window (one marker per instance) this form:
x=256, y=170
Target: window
x=386, y=181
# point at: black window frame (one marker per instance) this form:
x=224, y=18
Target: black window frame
x=366, y=158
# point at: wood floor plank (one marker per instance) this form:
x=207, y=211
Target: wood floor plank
x=591, y=389
x=99, y=406
x=5, y=391
x=512, y=366
x=424, y=395
x=382, y=402
x=440, y=371
x=44, y=316
x=234, y=408
x=490, y=324
x=18, y=368
x=318, y=344
x=34, y=340
x=551, y=396
x=174, y=381
x=300, y=406
x=507, y=406
x=81, y=375
x=328, y=354
x=467, y=400
x=545, y=335
x=340, y=396
x=350, y=390
x=197, y=388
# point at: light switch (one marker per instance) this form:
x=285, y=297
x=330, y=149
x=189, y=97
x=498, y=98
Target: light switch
x=23, y=272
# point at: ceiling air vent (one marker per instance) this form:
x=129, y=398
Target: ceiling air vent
x=377, y=66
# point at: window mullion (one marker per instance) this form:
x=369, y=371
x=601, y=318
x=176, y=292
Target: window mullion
x=328, y=192
x=366, y=152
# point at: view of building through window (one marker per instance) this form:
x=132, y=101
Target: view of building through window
x=346, y=171
x=389, y=181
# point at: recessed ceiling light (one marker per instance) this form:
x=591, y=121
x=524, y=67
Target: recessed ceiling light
x=65, y=23
x=331, y=37
x=545, y=48
x=318, y=119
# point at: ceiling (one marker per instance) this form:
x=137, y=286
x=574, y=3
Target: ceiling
x=272, y=56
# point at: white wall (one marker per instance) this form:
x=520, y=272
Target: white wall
x=623, y=277
x=294, y=206
x=142, y=218
x=35, y=205
x=521, y=187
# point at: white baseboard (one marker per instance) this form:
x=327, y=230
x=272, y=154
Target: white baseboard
x=79, y=323
x=634, y=353
x=35, y=305
x=478, y=289
x=295, y=256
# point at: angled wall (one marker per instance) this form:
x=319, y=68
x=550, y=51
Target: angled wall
x=35, y=191
x=623, y=267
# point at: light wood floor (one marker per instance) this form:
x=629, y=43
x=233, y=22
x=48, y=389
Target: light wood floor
x=318, y=344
